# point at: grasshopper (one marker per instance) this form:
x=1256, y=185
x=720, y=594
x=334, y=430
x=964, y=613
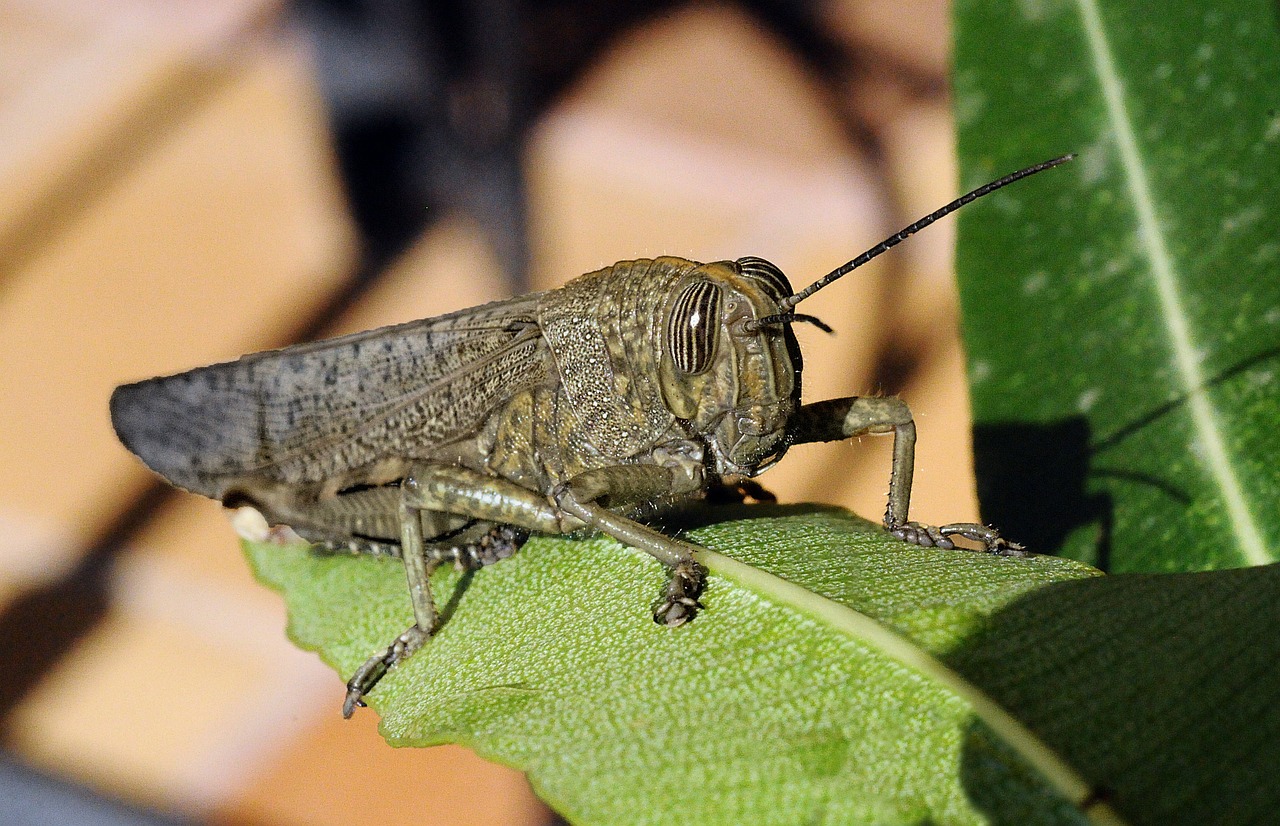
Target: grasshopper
x=451, y=439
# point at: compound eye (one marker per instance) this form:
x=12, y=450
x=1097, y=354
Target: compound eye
x=766, y=274
x=693, y=326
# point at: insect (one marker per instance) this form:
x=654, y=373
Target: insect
x=451, y=439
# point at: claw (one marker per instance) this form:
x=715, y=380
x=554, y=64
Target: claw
x=377, y=666
x=673, y=614
x=352, y=702
x=1003, y=547
x=680, y=603
x=928, y=536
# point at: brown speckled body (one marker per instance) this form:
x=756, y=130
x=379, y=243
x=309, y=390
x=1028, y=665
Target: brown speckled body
x=535, y=390
x=601, y=404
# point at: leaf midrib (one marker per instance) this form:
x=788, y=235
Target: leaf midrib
x=1204, y=416
x=1060, y=775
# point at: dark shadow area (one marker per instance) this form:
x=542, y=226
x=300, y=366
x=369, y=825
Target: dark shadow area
x=1161, y=690
x=1120, y=434
x=694, y=516
x=1033, y=479
x=1032, y=483
x=428, y=106
x=431, y=103
x=450, y=606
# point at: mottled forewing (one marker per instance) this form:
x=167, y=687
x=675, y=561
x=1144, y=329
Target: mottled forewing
x=317, y=412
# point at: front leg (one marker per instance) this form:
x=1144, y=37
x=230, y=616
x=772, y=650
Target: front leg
x=845, y=418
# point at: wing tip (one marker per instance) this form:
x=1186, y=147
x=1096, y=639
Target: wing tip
x=127, y=416
x=143, y=426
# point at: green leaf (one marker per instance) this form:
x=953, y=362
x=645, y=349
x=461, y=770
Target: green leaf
x=1122, y=313
x=808, y=690
x=1161, y=688
x=836, y=676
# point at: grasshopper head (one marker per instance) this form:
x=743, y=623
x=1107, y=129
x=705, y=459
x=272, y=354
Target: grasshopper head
x=735, y=380
x=730, y=363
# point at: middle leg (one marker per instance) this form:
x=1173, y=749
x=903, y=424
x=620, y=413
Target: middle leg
x=582, y=497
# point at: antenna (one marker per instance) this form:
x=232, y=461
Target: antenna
x=905, y=233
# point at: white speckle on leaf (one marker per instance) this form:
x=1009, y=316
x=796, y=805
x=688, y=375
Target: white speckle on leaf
x=1164, y=71
x=1243, y=218
x=1092, y=164
x=1204, y=52
x=1008, y=204
x=979, y=371
x=1035, y=282
x=1034, y=10
x=1266, y=253
x=1272, y=316
x=1068, y=85
x=1262, y=378
x=1229, y=99
x=1273, y=129
x=1088, y=399
x=969, y=105
x=1202, y=81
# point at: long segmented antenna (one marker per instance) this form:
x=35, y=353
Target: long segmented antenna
x=900, y=236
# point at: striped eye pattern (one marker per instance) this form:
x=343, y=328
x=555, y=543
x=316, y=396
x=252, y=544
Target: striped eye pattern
x=691, y=331
x=767, y=274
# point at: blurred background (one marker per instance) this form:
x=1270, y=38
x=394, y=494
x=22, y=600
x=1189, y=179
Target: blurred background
x=183, y=181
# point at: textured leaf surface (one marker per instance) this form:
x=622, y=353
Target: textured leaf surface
x=1161, y=688
x=769, y=708
x=1122, y=313
x=777, y=706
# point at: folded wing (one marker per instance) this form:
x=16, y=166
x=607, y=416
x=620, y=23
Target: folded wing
x=318, y=411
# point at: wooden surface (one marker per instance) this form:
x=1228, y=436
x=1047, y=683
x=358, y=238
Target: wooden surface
x=168, y=198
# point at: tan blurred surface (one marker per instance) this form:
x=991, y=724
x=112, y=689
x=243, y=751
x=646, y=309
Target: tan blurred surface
x=182, y=255
x=697, y=134
x=343, y=772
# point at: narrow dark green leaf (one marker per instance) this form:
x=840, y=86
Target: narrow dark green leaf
x=1122, y=313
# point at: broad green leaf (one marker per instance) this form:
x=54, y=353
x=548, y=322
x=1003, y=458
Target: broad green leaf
x=807, y=691
x=1161, y=688
x=1122, y=313
x=836, y=676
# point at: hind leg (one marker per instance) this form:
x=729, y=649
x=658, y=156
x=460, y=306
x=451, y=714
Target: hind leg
x=498, y=543
x=366, y=521
x=584, y=501
x=449, y=489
